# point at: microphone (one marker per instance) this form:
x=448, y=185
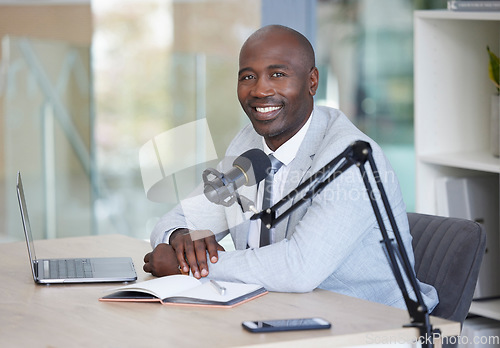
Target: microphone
x=248, y=169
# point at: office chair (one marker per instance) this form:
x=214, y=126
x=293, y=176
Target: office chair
x=448, y=254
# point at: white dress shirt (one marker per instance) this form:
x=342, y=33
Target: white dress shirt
x=285, y=154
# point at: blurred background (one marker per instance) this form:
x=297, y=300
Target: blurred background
x=84, y=85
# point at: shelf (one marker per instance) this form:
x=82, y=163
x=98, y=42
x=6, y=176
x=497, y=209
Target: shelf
x=467, y=15
x=452, y=112
x=486, y=308
x=480, y=161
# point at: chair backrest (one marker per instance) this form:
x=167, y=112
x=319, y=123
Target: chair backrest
x=448, y=254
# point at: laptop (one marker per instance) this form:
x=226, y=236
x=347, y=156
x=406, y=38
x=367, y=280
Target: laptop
x=72, y=270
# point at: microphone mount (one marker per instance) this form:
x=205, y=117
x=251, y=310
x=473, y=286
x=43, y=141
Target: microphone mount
x=231, y=186
x=358, y=154
x=245, y=203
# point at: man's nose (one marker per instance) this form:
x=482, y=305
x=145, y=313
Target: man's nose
x=262, y=88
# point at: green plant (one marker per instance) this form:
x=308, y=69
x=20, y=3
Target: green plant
x=493, y=69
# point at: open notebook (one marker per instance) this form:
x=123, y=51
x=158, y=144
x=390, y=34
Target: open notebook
x=186, y=290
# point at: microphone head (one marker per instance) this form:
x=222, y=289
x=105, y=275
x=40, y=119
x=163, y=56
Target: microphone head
x=255, y=165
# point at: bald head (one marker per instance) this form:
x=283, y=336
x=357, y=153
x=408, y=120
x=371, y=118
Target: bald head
x=277, y=80
x=284, y=34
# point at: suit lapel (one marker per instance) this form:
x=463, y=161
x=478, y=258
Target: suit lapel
x=239, y=222
x=300, y=170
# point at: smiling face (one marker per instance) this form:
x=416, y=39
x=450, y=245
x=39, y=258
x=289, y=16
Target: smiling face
x=276, y=83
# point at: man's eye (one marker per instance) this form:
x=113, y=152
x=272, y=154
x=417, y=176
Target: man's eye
x=246, y=77
x=278, y=74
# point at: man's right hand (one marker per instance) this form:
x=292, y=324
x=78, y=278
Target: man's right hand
x=191, y=249
x=161, y=261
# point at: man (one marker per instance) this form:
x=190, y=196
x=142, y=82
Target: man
x=331, y=242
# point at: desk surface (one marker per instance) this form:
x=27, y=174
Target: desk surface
x=71, y=315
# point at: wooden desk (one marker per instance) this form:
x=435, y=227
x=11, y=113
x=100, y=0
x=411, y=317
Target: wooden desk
x=71, y=316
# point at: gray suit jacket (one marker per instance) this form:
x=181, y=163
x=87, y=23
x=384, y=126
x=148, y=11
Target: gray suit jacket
x=331, y=242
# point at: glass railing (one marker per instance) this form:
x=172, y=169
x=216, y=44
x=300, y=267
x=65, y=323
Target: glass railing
x=161, y=147
x=47, y=135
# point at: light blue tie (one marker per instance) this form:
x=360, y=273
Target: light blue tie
x=265, y=233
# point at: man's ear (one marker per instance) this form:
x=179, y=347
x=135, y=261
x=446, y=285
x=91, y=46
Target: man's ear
x=313, y=80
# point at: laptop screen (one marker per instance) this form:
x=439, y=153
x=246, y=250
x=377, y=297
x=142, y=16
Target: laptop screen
x=26, y=223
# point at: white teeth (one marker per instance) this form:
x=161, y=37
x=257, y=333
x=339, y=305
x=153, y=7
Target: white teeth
x=268, y=109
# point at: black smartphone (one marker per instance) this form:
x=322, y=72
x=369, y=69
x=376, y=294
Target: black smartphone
x=286, y=325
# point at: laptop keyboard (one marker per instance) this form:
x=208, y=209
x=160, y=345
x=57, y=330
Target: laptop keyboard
x=72, y=268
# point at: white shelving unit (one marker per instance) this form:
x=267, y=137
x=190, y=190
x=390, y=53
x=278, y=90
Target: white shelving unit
x=488, y=309
x=452, y=104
